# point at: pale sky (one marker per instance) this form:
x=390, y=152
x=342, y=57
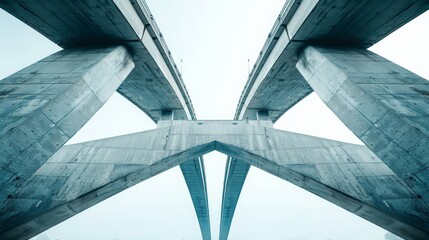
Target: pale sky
x=215, y=39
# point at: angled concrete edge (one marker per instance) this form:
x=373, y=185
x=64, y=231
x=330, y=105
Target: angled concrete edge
x=363, y=184
x=45, y=104
x=385, y=105
x=194, y=174
x=81, y=175
x=235, y=176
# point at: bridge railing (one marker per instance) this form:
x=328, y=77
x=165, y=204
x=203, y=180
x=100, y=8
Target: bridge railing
x=143, y=10
x=274, y=34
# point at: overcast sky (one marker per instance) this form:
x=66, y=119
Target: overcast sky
x=215, y=39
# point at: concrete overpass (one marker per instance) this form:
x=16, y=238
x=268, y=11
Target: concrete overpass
x=59, y=94
x=275, y=84
x=115, y=45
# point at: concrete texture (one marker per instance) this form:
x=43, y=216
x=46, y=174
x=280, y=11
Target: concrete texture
x=81, y=175
x=128, y=22
x=194, y=174
x=235, y=176
x=275, y=85
x=195, y=178
x=385, y=105
x=155, y=84
x=45, y=104
x=348, y=175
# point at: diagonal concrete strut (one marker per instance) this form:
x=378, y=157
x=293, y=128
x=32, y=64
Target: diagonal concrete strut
x=348, y=175
x=45, y=104
x=385, y=105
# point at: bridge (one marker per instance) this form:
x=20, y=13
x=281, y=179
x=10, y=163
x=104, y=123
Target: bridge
x=116, y=46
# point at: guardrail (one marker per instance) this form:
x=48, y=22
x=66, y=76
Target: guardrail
x=143, y=10
x=284, y=16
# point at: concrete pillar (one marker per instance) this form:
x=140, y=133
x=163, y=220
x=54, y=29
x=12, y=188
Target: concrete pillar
x=45, y=104
x=167, y=115
x=262, y=115
x=385, y=105
x=166, y=119
x=263, y=118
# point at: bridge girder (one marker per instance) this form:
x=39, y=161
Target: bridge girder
x=81, y=175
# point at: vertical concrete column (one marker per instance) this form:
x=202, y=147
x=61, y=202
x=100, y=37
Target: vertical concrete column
x=263, y=118
x=167, y=115
x=262, y=115
x=166, y=119
x=385, y=105
x=45, y=104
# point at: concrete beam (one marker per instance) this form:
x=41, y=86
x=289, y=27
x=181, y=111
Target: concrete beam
x=195, y=178
x=385, y=105
x=275, y=85
x=154, y=84
x=194, y=173
x=45, y=104
x=82, y=175
x=235, y=176
x=348, y=175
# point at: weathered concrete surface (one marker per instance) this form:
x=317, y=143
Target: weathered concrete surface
x=348, y=175
x=127, y=22
x=275, y=85
x=385, y=105
x=155, y=84
x=45, y=104
x=235, y=176
x=79, y=176
x=195, y=178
